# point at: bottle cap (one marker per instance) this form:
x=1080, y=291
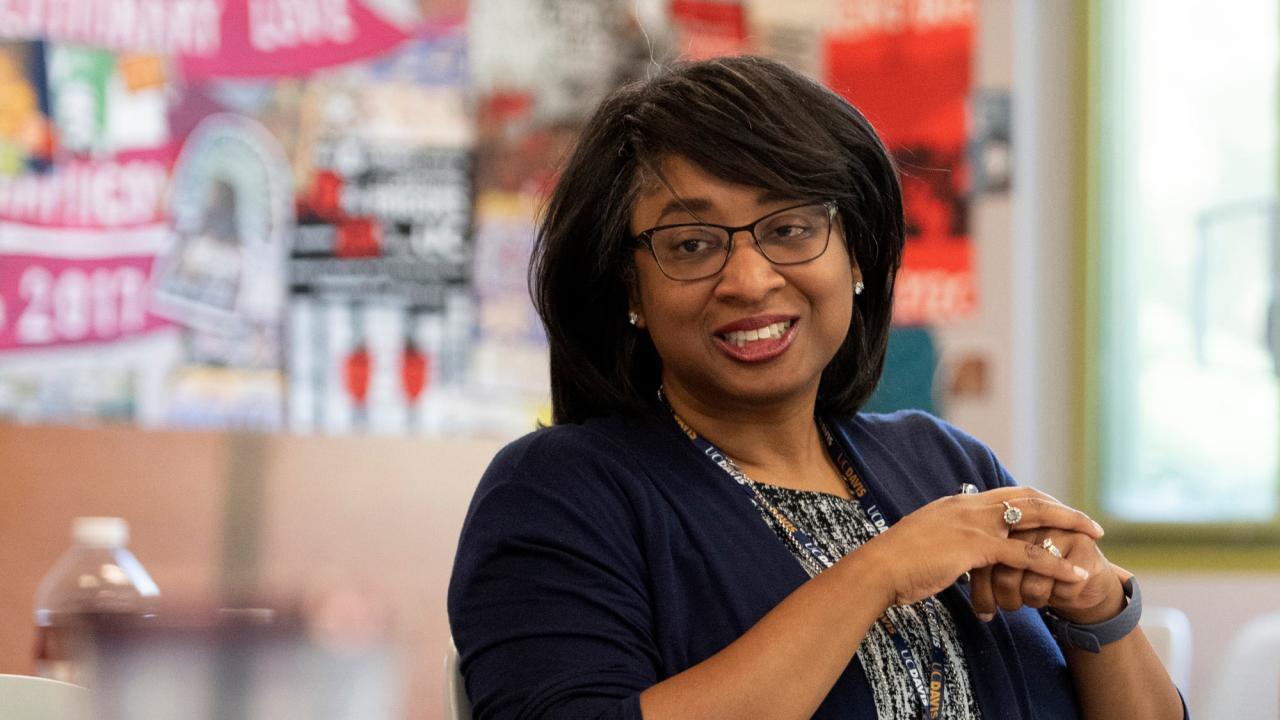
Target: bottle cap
x=100, y=531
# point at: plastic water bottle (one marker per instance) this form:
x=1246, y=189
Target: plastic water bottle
x=96, y=576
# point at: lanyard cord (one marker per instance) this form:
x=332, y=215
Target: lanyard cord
x=928, y=692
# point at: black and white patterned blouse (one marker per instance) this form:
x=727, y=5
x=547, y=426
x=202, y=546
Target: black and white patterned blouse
x=838, y=526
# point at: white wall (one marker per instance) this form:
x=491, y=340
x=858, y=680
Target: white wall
x=1218, y=605
x=989, y=333
x=1025, y=250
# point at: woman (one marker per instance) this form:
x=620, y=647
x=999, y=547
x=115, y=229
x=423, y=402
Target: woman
x=711, y=530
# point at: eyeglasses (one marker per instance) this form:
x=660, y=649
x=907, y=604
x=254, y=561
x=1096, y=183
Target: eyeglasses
x=693, y=251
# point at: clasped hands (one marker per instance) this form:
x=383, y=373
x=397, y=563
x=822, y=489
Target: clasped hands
x=1009, y=564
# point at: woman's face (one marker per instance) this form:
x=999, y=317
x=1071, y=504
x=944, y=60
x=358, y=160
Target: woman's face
x=703, y=329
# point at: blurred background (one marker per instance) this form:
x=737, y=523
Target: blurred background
x=263, y=274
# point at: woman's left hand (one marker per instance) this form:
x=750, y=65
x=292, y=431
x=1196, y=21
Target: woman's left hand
x=1099, y=598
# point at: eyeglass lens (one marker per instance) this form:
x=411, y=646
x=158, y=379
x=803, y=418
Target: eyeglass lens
x=789, y=237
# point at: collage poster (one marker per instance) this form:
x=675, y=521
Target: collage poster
x=225, y=214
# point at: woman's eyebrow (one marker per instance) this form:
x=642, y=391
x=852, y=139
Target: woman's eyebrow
x=772, y=196
x=691, y=206
x=696, y=205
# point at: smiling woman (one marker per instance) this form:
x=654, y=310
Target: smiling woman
x=697, y=125
x=706, y=328
x=711, y=529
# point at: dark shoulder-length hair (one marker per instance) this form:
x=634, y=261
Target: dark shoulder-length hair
x=746, y=120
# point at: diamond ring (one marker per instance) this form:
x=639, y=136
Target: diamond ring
x=1012, y=515
x=1053, y=549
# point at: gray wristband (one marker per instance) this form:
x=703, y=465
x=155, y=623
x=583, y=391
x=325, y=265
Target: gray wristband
x=1093, y=637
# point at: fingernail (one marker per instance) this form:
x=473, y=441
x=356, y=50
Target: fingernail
x=1080, y=572
x=1098, y=527
x=986, y=617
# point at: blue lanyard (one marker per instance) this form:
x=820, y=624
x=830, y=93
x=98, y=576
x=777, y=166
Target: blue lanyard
x=930, y=695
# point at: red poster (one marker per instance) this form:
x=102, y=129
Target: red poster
x=709, y=28
x=906, y=65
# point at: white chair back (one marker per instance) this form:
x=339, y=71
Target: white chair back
x=456, y=704
x=23, y=697
x=1169, y=631
x=1246, y=685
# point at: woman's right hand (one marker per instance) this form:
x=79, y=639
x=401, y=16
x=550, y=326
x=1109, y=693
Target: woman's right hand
x=926, y=551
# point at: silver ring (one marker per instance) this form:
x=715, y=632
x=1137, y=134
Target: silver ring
x=1012, y=515
x=1053, y=549
x=968, y=489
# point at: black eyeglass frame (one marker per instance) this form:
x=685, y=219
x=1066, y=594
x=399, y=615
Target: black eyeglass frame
x=645, y=238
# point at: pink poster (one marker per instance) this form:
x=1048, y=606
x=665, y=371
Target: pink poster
x=212, y=38
x=77, y=245
x=269, y=38
x=57, y=301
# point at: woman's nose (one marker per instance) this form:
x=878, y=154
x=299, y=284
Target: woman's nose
x=748, y=275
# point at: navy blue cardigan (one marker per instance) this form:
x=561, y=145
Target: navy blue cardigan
x=598, y=559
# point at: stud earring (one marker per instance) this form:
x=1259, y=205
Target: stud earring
x=633, y=318
x=857, y=288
